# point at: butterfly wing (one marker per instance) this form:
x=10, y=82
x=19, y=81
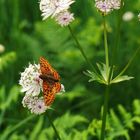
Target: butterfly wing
x=46, y=68
x=49, y=91
x=49, y=88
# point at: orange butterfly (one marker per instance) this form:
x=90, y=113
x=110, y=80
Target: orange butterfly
x=51, y=81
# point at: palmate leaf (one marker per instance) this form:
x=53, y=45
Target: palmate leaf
x=101, y=77
x=94, y=77
x=102, y=69
x=121, y=78
x=105, y=74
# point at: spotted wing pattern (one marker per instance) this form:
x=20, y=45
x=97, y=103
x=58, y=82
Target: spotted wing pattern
x=49, y=88
x=46, y=68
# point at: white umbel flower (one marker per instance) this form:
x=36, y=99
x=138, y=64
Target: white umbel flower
x=116, y=4
x=127, y=16
x=2, y=48
x=139, y=16
x=28, y=101
x=38, y=106
x=62, y=88
x=107, y=6
x=104, y=7
x=30, y=81
x=47, y=7
x=34, y=104
x=54, y=7
x=64, y=18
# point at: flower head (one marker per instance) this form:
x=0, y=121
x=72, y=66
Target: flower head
x=38, y=106
x=54, y=7
x=62, y=88
x=28, y=101
x=139, y=16
x=2, y=48
x=116, y=4
x=103, y=6
x=64, y=18
x=127, y=16
x=30, y=81
x=35, y=104
x=106, y=6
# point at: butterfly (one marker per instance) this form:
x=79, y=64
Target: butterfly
x=51, y=81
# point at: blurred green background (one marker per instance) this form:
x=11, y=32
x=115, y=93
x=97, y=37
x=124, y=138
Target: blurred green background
x=77, y=113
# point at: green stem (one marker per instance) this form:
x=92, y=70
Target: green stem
x=106, y=49
x=22, y=123
x=105, y=108
x=54, y=128
x=80, y=48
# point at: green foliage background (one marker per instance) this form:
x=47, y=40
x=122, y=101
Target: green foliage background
x=77, y=112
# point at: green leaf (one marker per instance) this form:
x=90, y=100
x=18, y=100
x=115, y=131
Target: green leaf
x=94, y=77
x=136, y=107
x=121, y=78
x=117, y=125
x=65, y=119
x=12, y=96
x=4, y=135
x=103, y=71
x=7, y=59
x=126, y=117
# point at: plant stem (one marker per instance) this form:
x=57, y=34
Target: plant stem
x=106, y=96
x=106, y=49
x=80, y=48
x=54, y=128
x=105, y=108
x=22, y=122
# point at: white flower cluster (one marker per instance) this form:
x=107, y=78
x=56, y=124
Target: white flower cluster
x=32, y=86
x=57, y=9
x=2, y=48
x=35, y=104
x=106, y=6
x=139, y=16
x=128, y=16
x=30, y=81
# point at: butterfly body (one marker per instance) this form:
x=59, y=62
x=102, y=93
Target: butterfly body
x=51, y=81
x=48, y=77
